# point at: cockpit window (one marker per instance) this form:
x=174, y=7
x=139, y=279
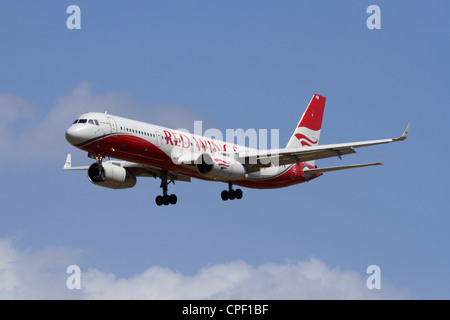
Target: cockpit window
x=90, y=121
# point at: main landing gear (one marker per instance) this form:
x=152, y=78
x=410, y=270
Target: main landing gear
x=165, y=199
x=230, y=193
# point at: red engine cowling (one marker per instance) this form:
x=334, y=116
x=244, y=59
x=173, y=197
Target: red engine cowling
x=220, y=167
x=110, y=175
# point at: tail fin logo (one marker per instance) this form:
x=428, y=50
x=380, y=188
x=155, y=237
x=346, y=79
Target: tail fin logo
x=305, y=141
x=307, y=132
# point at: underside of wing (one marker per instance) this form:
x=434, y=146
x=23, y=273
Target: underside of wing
x=140, y=170
x=318, y=153
x=254, y=163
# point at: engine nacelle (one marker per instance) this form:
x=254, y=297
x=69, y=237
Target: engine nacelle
x=220, y=167
x=110, y=175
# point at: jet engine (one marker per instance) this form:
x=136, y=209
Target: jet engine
x=111, y=175
x=220, y=167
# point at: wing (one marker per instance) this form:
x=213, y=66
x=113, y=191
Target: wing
x=138, y=170
x=265, y=158
x=141, y=170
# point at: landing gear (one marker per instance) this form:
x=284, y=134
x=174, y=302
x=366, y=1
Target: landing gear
x=100, y=175
x=101, y=171
x=165, y=199
x=231, y=194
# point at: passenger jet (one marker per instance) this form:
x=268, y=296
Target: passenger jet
x=148, y=150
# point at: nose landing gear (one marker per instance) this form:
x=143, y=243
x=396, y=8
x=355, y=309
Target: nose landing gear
x=100, y=175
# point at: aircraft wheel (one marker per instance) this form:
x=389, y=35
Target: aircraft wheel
x=224, y=195
x=173, y=198
x=159, y=200
x=238, y=194
x=166, y=200
x=231, y=194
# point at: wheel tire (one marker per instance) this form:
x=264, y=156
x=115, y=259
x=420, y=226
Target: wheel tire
x=173, y=198
x=224, y=195
x=166, y=200
x=231, y=194
x=159, y=201
x=238, y=193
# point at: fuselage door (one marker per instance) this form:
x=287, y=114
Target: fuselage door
x=158, y=139
x=113, y=125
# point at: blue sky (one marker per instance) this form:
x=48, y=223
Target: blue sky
x=252, y=64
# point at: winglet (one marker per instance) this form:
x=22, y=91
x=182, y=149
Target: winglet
x=404, y=134
x=68, y=164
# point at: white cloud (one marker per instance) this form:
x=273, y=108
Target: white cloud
x=14, y=107
x=42, y=275
x=27, y=274
x=45, y=139
x=13, y=110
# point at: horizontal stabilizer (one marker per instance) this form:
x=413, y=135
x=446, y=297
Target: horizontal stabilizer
x=321, y=170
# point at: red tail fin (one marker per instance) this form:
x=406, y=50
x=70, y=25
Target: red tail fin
x=308, y=129
x=312, y=118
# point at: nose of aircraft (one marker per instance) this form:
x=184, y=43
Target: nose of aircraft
x=74, y=135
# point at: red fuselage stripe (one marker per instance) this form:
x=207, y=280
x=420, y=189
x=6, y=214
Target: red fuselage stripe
x=135, y=149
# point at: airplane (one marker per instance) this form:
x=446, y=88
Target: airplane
x=149, y=150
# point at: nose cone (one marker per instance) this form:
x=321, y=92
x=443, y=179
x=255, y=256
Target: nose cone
x=75, y=135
